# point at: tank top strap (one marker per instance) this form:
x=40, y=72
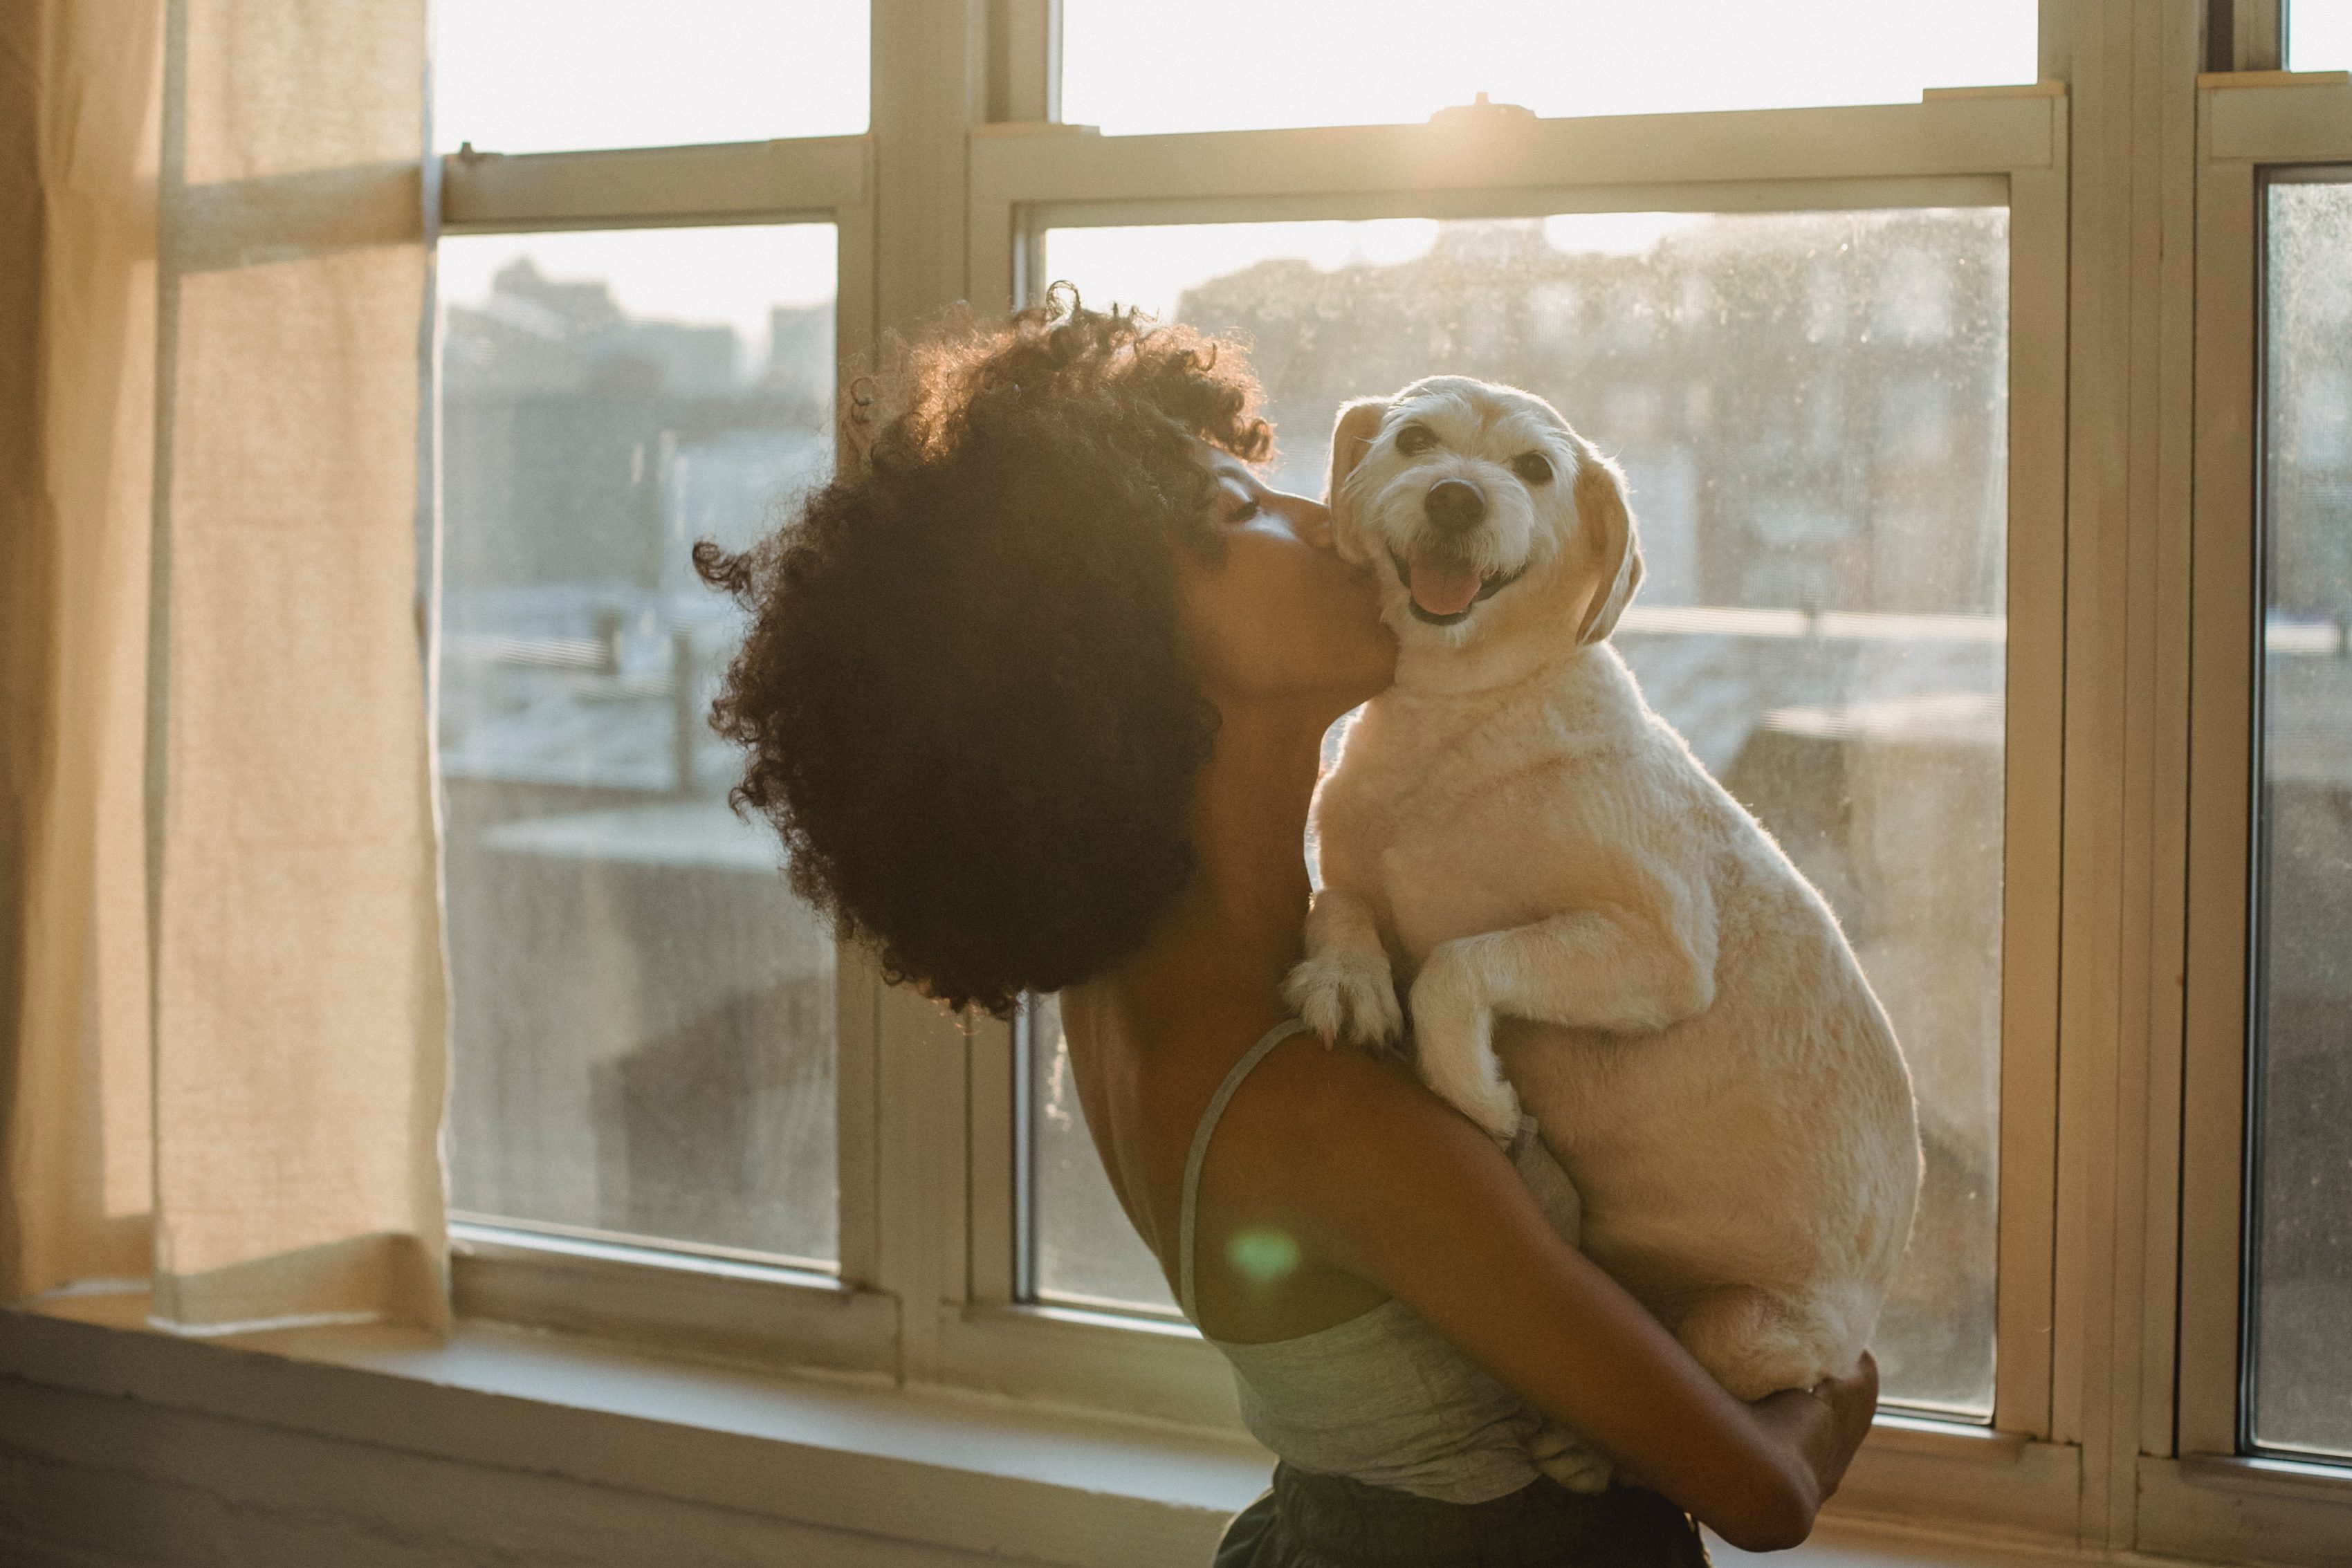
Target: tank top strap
x=1209, y=1118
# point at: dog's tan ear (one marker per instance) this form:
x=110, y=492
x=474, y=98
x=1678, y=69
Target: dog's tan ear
x=1600, y=508
x=1351, y=437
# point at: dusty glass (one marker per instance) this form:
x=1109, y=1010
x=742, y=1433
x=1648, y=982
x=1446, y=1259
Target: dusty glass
x=2319, y=34
x=544, y=76
x=1811, y=412
x=1139, y=66
x=644, y=1013
x=1084, y=1252
x=2301, y=1109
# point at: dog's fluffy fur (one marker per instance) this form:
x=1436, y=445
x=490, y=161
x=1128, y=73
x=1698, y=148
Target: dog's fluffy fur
x=1516, y=841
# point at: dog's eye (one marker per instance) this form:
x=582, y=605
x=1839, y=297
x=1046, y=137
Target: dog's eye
x=1532, y=466
x=1415, y=439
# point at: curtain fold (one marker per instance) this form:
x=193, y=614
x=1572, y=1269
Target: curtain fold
x=78, y=97
x=229, y=1010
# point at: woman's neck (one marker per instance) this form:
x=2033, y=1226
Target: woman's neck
x=1213, y=966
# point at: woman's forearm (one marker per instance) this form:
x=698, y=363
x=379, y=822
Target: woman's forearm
x=1486, y=1271
x=1398, y=1190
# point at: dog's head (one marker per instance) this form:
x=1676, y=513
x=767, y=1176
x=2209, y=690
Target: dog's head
x=1481, y=512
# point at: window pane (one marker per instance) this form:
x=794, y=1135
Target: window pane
x=2319, y=34
x=542, y=75
x=1811, y=409
x=1135, y=66
x=2302, y=1102
x=1084, y=1250
x=645, y=1038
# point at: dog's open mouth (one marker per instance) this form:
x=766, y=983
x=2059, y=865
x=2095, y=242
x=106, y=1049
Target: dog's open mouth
x=1444, y=591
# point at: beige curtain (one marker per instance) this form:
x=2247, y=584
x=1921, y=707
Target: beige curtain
x=223, y=986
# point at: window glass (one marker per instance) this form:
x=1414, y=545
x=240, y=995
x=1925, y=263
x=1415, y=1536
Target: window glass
x=1812, y=410
x=542, y=75
x=1084, y=1252
x=2319, y=34
x=644, y=1014
x=1133, y=65
x=2302, y=1101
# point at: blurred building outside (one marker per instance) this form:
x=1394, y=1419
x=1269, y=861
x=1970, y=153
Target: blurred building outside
x=644, y=1012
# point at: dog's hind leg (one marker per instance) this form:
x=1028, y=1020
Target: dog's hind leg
x=1757, y=1342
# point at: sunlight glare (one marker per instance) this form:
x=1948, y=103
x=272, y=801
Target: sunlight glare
x=2319, y=34
x=1615, y=234
x=1152, y=66
x=544, y=76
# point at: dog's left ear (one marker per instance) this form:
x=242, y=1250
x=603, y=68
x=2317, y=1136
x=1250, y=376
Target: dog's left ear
x=1600, y=508
x=1351, y=436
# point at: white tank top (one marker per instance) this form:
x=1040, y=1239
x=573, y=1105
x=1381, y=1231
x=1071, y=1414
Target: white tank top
x=1380, y=1398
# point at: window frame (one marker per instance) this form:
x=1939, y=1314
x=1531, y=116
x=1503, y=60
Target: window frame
x=2209, y=1496
x=2115, y=1405
x=690, y=1298
x=1973, y=147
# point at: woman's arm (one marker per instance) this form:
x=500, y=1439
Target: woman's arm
x=1382, y=1179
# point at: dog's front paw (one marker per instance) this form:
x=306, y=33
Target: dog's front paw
x=1453, y=1032
x=1346, y=997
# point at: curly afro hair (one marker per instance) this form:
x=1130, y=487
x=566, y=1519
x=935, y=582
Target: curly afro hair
x=965, y=696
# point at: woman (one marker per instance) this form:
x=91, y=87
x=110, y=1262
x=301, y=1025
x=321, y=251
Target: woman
x=1034, y=693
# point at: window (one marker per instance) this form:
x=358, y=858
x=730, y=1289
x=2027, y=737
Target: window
x=661, y=1104
x=1833, y=387
x=2265, y=1164
x=1226, y=66
x=2318, y=34
x=2299, y=1272
x=548, y=76
x=1078, y=1249
x=1995, y=539
x=1810, y=408
x=644, y=1014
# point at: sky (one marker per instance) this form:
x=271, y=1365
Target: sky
x=526, y=76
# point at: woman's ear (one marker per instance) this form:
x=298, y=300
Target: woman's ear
x=1600, y=508
x=1351, y=437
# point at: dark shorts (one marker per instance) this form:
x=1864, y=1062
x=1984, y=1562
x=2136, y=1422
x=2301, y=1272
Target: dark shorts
x=1328, y=1521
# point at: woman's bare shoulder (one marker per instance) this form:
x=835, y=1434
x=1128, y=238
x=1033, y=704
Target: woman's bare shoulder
x=1355, y=1150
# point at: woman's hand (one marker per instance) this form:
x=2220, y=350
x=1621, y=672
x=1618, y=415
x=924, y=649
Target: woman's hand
x=1824, y=1426
x=1376, y=1177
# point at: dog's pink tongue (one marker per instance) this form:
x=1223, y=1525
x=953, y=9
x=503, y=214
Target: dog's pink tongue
x=1444, y=590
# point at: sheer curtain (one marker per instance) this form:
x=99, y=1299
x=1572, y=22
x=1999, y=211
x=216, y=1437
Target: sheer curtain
x=224, y=998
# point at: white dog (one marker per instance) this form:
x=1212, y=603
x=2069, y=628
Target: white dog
x=1513, y=835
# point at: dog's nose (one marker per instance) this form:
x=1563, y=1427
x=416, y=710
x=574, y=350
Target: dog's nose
x=1455, y=505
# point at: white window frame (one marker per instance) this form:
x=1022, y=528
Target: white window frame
x=701, y=1299
x=1976, y=147
x=2203, y=1496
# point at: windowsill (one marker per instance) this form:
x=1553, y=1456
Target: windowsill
x=2273, y=1477
x=856, y=1453
x=841, y=1452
